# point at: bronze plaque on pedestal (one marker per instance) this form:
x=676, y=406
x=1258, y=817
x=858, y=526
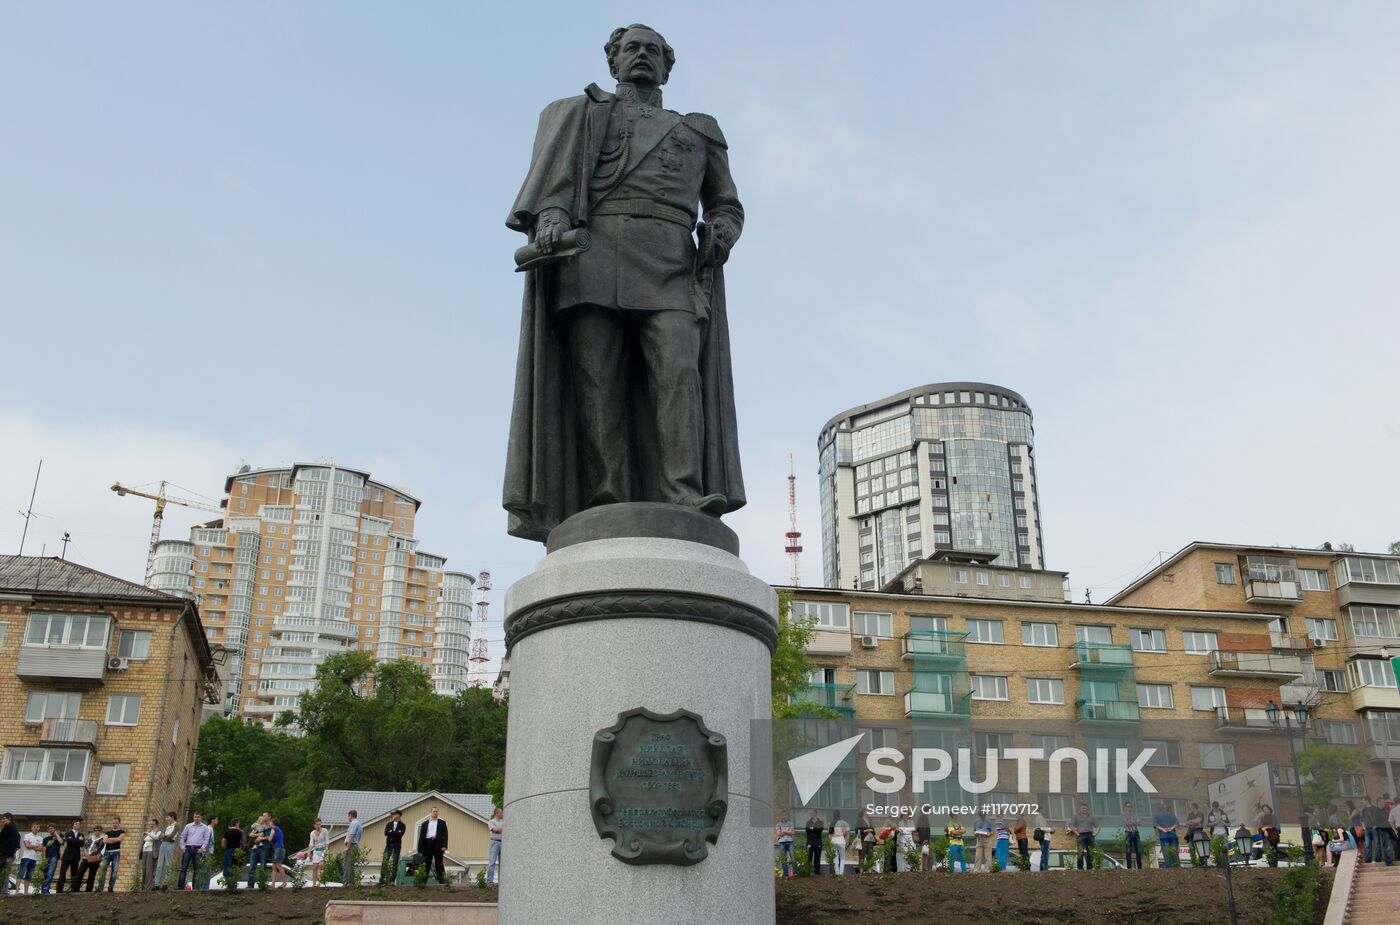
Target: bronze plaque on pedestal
x=659, y=786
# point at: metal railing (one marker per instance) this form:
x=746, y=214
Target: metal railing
x=1102, y=655
x=1256, y=663
x=69, y=731
x=1113, y=711
x=934, y=644
x=937, y=703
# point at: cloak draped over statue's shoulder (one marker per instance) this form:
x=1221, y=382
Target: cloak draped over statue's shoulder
x=543, y=478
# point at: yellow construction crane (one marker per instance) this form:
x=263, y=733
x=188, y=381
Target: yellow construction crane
x=161, y=498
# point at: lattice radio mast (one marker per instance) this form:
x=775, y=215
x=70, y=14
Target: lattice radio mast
x=478, y=657
x=793, y=535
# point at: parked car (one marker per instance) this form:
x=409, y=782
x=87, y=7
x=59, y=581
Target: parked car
x=1066, y=859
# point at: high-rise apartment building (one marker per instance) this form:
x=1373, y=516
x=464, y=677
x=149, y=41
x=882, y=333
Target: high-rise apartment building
x=948, y=466
x=311, y=560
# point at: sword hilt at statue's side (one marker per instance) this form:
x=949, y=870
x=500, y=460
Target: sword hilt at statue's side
x=704, y=285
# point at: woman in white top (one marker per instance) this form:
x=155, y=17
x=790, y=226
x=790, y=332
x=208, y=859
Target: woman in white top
x=150, y=853
x=840, y=837
x=320, y=841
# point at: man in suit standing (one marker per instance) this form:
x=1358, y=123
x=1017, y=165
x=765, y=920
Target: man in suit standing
x=432, y=842
x=393, y=845
x=72, y=856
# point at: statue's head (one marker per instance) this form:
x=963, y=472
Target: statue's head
x=638, y=54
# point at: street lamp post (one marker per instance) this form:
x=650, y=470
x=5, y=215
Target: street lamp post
x=1279, y=719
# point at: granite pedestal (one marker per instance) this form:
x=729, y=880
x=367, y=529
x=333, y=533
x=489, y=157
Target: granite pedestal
x=635, y=606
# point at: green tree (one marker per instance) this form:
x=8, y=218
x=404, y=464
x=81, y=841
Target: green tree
x=479, y=725
x=1395, y=548
x=399, y=737
x=792, y=668
x=1321, y=768
x=242, y=769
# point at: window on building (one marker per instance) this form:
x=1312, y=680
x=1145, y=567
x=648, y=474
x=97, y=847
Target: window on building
x=1040, y=634
x=1207, y=698
x=1285, y=776
x=878, y=737
x=1048, y=743
x=982, y=578
x=73, y=630
x=1059, y=807
x=1374, y=621
x=960, y=576
x=983, y=742
x=1155, y=696
x=1024, y=580
x=112, y=779
x=1384, y=726
x=1352, y=785
x=1372, y=672
x=1200, y=643
x=874, y=624
x=1166, y=753
x=46, y=765
x=1338, y=732
x=123, y=709
x=1003, y=580
x=989, y=687
x=987, y=631
x=1045, y=690
x=1099, y=635
x=44, y=705
x=1321, y=628
x=871, y=681
x=1148, y=640
x=1225, y=573
x=1313, y=579
x=822, y=614
x=134, y=644
x=1217, y=756
x=1334, y=682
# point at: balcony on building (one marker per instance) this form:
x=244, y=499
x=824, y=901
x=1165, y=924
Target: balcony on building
x=64, y=647
x=1375, y=698
x=1371, y=580
x=934, y=646
x=838, y=697
x=937, y=704
x=39, y=799
x=1285, y=642
x=1243, y=719
x=1270, y=579
x=1381, y=747
x=1109, y=711
x=1255, y=665
x=1108, y=656
x=68, y=732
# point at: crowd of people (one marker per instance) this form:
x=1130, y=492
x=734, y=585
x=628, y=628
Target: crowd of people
x=46, y=860
x=979, y=843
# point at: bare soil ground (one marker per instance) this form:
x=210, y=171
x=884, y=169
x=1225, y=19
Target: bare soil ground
x=1053, y=898
x=1162, y=897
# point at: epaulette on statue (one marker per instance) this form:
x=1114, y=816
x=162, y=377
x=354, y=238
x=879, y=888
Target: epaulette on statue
x=707, y=126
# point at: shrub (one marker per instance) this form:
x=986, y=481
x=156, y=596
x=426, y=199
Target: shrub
x=1219, y=851
x=996, y=866
x=420, y=875
x=829, y=852
x=1270, y=855
x=481, y=879
x=802, y=861
x=1022, y=861
x=939, y=850
x=262, y=877
x=1295, y=900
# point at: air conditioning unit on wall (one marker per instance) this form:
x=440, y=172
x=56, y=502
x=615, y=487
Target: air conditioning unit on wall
x=117, y=663
x=869, y=642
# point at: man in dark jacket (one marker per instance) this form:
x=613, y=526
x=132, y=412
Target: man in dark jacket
x=393, y=846
x=9, y=844
x=432, y=842
x=71, y=857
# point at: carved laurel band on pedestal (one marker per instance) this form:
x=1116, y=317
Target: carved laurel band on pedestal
x=611, y=605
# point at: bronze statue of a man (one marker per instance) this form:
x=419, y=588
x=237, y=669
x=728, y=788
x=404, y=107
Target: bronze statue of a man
x=623, y=388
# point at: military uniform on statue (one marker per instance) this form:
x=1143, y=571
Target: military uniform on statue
x=623, y=455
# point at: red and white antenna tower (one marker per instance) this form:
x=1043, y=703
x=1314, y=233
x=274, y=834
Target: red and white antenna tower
x=794, y=536
x=478, y=657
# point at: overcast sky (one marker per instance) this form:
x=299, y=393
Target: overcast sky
x=269, y=232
